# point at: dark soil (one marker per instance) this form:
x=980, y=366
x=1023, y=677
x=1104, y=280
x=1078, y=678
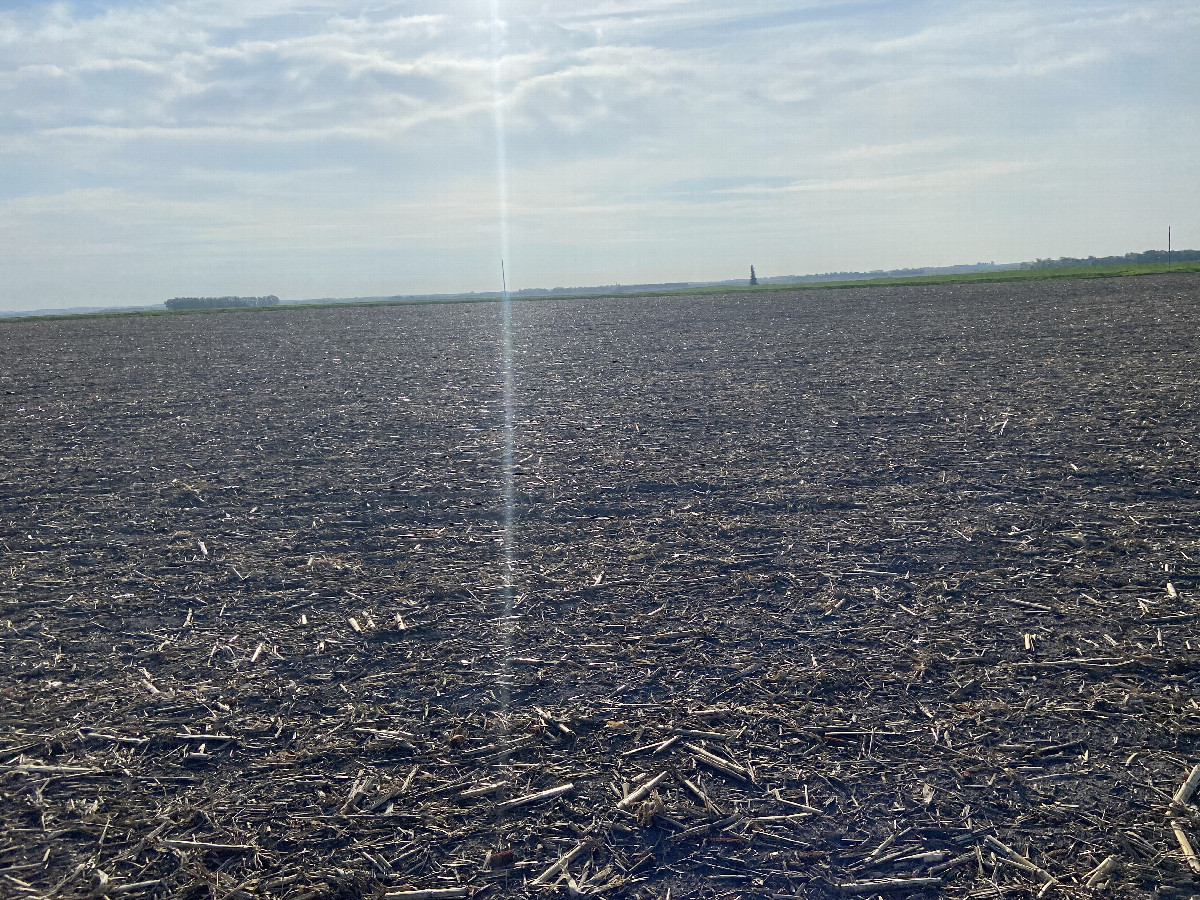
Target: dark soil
x=886, y=583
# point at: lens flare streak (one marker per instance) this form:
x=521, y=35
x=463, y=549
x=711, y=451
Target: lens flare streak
x=505, y=625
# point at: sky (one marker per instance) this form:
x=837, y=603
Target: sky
x=319, y=148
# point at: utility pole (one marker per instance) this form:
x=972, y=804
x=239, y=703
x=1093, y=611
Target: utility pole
x=1168, y=248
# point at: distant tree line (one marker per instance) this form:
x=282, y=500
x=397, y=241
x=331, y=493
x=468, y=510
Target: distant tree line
x=1146, y=256
x=220, y=302
x=596, y=289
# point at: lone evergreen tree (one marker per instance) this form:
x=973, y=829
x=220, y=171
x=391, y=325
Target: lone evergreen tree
x=753, y=277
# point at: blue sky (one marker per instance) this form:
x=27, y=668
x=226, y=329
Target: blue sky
x=310, y=149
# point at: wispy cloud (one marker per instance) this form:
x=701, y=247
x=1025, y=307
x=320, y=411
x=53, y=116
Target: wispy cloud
x=954, y=178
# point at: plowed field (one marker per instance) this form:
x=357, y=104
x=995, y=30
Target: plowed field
x=837, y=592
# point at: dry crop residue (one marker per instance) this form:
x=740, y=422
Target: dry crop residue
x=856, y=592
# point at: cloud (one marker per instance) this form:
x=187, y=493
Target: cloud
x=630, y=125
x=954, y=178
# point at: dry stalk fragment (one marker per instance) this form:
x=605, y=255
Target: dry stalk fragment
x=560, y=865
x=539, y=797
x=888, y=885
x=641, y=793
x=1100, y=874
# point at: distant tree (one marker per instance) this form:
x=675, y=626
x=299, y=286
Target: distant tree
x=753, y=277
x=220, y=302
